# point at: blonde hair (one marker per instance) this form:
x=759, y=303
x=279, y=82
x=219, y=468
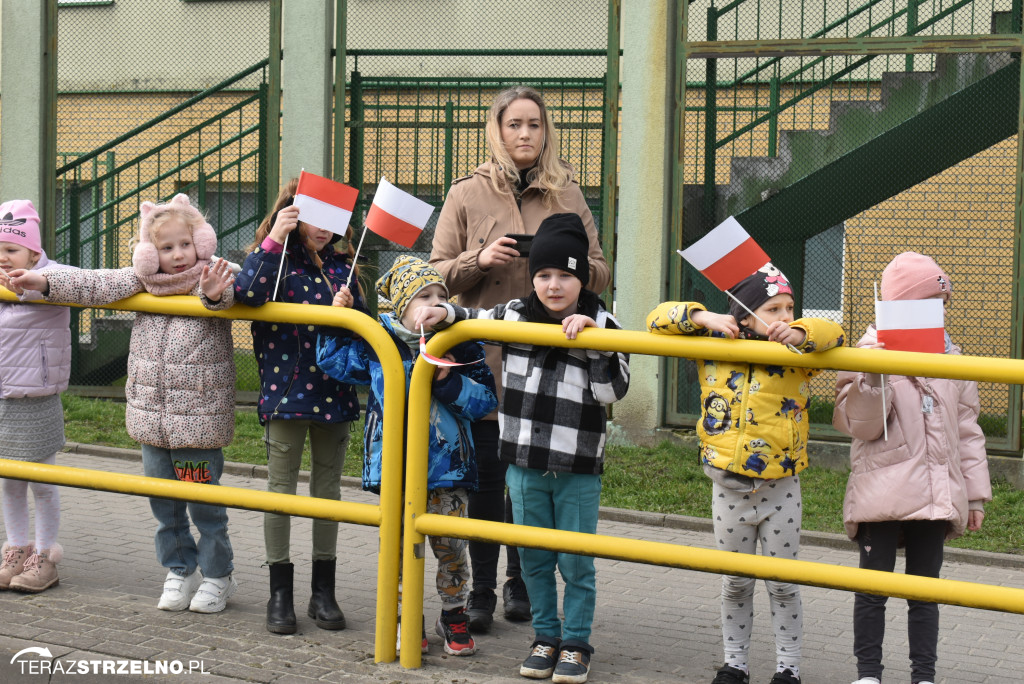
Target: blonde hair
x=550, y=172
x=190, y=216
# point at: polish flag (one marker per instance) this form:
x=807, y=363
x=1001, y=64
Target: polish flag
x=916, y=325
x=396, y=215
x=726, y=255
x=324, y=203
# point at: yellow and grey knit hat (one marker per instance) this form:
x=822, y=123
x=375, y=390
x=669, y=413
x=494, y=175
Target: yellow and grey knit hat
x=407, y=276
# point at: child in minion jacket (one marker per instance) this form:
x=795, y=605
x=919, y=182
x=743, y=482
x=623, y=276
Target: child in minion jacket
x=460, y=395
x=753, y=445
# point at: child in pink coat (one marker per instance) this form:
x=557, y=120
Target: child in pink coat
x=923, y=485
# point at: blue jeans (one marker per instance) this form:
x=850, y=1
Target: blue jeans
x=176, y=549
x=560, y=501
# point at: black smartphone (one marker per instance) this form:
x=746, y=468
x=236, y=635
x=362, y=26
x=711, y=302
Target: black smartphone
x=523, y=242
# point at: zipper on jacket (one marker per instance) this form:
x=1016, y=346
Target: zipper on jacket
x=46, y=365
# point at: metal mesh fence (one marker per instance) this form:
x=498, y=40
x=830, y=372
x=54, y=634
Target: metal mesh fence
x=837, y=163
x=155, y=98
x=416, y=105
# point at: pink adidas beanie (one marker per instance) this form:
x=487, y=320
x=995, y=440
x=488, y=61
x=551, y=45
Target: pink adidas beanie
x=19, y=223
x=914, y=276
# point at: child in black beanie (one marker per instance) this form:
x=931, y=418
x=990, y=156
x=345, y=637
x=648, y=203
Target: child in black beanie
x=552, y=420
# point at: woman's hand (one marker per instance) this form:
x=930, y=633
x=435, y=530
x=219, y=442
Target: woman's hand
x=19, y=280
x=723, y=323
x=572, y=325
x=343, y=298
x=215, y=279
x=498, y=253
x=287, y=220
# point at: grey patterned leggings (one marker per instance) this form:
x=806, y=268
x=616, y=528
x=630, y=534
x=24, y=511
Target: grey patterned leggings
x=771, y=515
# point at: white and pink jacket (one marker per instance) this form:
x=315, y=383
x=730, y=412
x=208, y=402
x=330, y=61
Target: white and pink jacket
x=35, y=345
x=933, y=465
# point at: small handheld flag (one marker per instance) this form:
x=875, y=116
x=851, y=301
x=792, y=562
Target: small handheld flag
x=726, y=255
x=396, y=215
x=435, y=360
x=325, y=203
x=916, y=325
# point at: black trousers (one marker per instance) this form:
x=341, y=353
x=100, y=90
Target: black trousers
x=490, y=502
x=878, y=541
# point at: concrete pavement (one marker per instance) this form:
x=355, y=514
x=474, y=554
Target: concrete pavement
x=653, y=624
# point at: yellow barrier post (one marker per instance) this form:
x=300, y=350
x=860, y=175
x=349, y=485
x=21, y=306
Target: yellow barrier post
x=394, y=414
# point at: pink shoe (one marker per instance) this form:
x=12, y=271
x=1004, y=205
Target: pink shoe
x=40, y=571
x=14, y=558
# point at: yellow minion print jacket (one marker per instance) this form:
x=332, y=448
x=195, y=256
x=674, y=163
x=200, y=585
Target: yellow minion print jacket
x=753, y=420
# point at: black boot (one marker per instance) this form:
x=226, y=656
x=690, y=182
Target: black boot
x=281, y=606
x=322, y=606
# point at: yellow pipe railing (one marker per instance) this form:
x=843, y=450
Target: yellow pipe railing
x=418, y=523
x=390, y=509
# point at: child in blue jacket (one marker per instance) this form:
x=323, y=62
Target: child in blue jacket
x=461, y=394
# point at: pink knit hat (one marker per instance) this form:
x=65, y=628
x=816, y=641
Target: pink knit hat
x=19, y=223
x=914, y=276
x=145, y=260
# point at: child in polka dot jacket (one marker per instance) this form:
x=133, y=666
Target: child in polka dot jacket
x=297, y=398
x=180, y=390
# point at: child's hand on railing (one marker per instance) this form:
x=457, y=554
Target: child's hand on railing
x=723, y=323
x=19, y=280
x=343, y=297
x=572, y=325
x=215, y=279
x=781, y=332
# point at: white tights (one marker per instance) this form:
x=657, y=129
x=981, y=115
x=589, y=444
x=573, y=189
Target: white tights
x=15, y=506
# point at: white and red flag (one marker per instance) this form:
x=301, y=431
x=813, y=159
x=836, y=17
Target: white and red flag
x=726, y=255
x=916, y=325
x=396, y=215
x=325, y=203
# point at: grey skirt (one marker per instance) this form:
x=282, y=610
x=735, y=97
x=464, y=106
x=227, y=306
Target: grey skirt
x=32, y=428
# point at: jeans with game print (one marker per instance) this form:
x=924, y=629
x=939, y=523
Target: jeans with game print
x=176, y=549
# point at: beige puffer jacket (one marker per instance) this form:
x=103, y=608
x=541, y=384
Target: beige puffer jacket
x=181, y=370
x=933, y=465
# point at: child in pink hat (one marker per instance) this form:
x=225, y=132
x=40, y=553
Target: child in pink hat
x=31, y=416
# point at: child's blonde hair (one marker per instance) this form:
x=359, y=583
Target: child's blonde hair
x=191, y=217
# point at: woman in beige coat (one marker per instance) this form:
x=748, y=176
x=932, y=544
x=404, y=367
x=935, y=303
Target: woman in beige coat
x=522, y=183
x=923, y=484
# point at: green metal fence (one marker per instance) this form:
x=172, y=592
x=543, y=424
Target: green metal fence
x=138, y=122
x=414, y=113
x=842, y=133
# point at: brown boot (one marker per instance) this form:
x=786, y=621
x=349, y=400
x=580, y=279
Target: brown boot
x=40, y=572
x=14, y=558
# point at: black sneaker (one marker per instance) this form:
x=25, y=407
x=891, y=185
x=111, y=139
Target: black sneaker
x=731, y=675
x=481, y=609
x=453, y=627
x=785, y=677
x=573, y=665
x=541, y=661
x=517, y=601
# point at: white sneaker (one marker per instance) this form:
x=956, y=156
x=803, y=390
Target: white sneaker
x=872, y=680
x=213, y=594
x=178, y=590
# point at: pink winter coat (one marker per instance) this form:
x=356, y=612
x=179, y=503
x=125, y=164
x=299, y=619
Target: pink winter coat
x=35, y=345
x=181, y=369
x=932, y=467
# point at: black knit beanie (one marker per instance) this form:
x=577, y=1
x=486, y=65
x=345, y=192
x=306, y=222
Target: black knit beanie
x=756, y=289
x=561, y=242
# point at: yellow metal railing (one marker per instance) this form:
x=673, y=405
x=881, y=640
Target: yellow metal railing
x=386, y=515
x=418, y=523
